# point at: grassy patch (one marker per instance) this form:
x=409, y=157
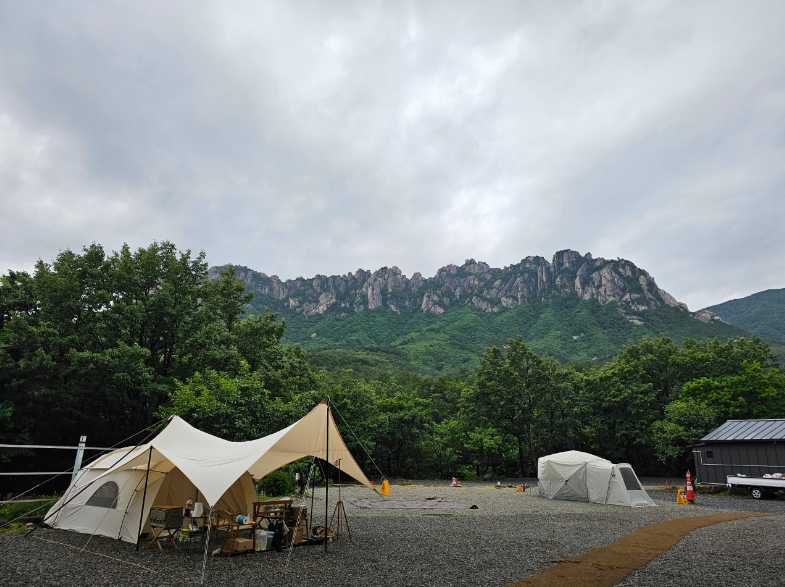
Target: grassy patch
x=24, y=511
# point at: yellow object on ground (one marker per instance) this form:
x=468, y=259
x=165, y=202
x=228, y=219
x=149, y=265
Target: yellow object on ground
x=519, y=488
x=385, y=488
x=681, y=497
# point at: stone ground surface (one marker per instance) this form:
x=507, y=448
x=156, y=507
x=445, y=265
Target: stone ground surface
x=509, y=537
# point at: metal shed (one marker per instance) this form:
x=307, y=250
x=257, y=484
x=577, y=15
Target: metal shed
x=749, y=447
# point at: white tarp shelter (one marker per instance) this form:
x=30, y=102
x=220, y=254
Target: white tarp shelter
x=106, y=496
x=580, y=476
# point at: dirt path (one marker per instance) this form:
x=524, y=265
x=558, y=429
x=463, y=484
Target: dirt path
x=607, y=565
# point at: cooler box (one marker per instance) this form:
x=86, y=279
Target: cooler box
x=264, y=540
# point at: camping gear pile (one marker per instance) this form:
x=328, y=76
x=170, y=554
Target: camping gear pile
x=579, y=476
x=275, y=524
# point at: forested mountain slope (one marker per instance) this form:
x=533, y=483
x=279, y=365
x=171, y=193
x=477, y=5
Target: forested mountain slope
x=575, y=308
x=762, y=314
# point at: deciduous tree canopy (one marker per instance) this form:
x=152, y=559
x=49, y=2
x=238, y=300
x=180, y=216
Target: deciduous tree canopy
x=106, y=344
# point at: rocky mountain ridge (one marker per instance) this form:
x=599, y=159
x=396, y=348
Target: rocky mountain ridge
x=474, y=284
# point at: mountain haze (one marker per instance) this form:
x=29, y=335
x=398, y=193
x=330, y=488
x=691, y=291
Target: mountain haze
x=574, y=307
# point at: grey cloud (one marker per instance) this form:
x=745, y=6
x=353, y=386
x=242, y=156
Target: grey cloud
x=299, y=138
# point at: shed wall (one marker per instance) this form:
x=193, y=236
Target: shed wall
x=715, y=461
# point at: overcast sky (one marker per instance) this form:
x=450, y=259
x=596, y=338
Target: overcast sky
x=300, y=138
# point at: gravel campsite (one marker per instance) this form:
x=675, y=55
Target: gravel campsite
x=509, y=537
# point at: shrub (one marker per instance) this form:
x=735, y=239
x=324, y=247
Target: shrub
x=467, y=473
x=11, y=511
x=277, y=483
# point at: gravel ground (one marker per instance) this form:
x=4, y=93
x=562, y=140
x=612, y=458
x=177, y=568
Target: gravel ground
x=744, y=552
x=724, y=501
x=509, y=537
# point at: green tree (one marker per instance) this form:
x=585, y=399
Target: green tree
x=235, y=407
x=225, y=297
x=510, y=385
x=98, y=339
x=755, y=391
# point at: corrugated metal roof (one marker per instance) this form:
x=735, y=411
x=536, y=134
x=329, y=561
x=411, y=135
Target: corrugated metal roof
x=749, y=430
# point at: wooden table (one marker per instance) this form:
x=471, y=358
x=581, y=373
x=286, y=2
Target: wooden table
x=158, y=536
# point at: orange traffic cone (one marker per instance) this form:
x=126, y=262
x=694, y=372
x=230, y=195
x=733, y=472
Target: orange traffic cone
x=690, y=488
x=385, y=488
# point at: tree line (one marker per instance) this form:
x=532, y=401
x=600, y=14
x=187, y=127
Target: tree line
x=105, y=344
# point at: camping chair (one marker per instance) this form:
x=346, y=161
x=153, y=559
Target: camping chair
x=165, y=525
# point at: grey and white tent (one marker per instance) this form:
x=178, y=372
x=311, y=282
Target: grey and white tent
x=579, y=476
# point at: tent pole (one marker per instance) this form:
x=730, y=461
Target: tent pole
x=144, y=497
x=326, y=476
x=313, y=491
x=207, y=543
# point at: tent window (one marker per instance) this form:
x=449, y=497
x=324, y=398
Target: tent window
x=630, y=480
x=105, y=496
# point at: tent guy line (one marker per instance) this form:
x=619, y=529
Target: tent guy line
x=27, y=513
x=82, y=489
x=221, y=472
x=70, y=469
x=181, y=462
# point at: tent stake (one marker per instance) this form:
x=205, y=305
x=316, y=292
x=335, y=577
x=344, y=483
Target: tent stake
x=144, y=497
x=327, y=478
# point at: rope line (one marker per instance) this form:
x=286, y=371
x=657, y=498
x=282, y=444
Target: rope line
x=146, y=568
x=27, y=513
x=101, y=521
x=337, y=411
x=127, y=507
x=90, y=460
x=8, y=523
x=78, y=493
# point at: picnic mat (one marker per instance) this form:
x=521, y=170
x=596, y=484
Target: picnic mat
x=430, y=503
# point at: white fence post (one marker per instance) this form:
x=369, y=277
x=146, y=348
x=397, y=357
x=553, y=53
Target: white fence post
x=79, y=454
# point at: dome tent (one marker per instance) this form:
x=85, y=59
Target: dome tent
x=580, y=476
x=112, y=496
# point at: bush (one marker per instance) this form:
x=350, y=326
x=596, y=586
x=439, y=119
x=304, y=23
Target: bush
x=467, y=473
x=277, y=483
x=11, y=511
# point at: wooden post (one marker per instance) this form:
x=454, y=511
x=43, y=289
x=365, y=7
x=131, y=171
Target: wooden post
x=144, y=497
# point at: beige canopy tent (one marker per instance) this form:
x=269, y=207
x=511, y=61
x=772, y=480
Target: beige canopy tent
x=110, y=496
